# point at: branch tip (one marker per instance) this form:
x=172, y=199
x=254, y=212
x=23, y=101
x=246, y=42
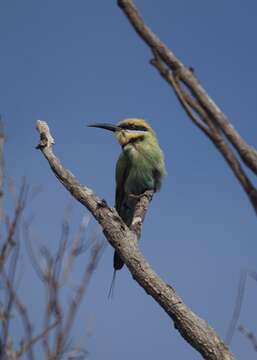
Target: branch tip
x=46, y=139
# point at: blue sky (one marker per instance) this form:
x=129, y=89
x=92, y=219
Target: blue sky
x=73, y=63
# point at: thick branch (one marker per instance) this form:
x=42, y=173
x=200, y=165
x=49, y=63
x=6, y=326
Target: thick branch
x=194, y=330
x=247, y=153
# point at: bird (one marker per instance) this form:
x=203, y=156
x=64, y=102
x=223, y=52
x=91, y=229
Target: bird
x=140, y=167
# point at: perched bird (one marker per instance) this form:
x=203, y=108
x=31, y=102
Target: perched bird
x=140, y=167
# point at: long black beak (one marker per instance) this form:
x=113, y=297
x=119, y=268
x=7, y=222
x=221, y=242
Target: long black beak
x=105, y=126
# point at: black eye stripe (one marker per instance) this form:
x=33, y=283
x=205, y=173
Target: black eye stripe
x=133, y=127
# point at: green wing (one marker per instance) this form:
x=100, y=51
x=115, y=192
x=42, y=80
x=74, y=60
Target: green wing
x=122, y=171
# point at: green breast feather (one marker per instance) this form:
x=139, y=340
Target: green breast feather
x=137, y=170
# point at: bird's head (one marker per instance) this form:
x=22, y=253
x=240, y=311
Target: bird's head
x=128, y=131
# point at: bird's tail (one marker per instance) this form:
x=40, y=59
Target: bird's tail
x=117, y=262
x=117, y=265
x=111, y=290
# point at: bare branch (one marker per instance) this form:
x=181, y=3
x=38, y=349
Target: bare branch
x=249, y=335
x=247, y=153
x=2, y=141
x=26, y=346
x=54, y=270
x=9, y=296
x=238, y=305
x=237, y=308
x=22, y=311
x=75, y=303
x=204, y=122
x=194, y=330
x=12, y=225
x=184, y=99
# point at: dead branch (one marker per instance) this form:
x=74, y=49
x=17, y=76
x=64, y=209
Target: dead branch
x=2, y=141
x=203, y=121
x=55, y=271
x=63, y=335
x=9, y=253
x=13, y=225
x=249, y=335
x=22, y=311
x=237, y=307
x=245, y=274
x=219, y=129
x=194, y=330
x=28, y=345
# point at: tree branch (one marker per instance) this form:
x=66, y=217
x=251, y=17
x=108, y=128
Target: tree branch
x=237, y=307
x=28, y=345
x=2, y=141
x=194, y=330
x=22, y=311
x=204, y=122
x=246, y=152
x=249, y=335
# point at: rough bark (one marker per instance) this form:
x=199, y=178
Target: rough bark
x=194, y=330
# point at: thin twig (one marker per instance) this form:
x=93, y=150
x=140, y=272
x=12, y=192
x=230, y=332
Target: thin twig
x=249, y=335
x=21, y=310
x=10, y=298
x=12, y=226
x=237, y=308
x=26, y=346
x=2, y=141
x=80, y=292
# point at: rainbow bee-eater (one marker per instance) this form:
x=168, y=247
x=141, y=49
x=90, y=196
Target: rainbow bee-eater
x=140, y=167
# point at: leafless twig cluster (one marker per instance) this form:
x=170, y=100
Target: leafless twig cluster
x=55, y=272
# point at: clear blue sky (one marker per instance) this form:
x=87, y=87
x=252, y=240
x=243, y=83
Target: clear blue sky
x=75, y=62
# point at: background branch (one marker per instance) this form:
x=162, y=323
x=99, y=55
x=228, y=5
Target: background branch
x=219, y=129
x=2, y=141
x=249, y=335
x=55, y=272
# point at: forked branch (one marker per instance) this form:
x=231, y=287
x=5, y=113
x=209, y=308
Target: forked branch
x=195, y=100
x=194, y=329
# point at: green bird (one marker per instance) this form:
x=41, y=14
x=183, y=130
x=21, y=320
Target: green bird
x=140, y=167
